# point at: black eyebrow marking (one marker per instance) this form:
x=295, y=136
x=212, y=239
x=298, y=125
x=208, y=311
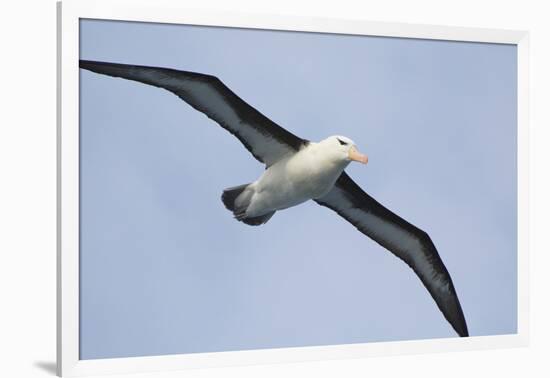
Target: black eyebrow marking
x=342, y=142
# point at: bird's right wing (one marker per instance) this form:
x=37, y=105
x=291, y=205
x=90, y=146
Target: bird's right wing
x=267, y=141
x=404, y=240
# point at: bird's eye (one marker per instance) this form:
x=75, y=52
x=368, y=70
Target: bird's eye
x=342, y=142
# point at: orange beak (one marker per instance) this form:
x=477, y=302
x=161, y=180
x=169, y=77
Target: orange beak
x=357, y=156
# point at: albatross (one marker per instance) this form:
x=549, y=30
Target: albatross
x=298, y=170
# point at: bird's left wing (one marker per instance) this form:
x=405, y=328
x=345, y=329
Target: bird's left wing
x=266, y=141
x=404, y=240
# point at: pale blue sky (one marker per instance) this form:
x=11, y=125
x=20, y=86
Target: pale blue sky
x=164, y=267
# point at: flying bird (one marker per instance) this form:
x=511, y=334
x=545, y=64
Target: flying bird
x=298, y=170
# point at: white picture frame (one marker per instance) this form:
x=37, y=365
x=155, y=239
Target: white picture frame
x=170, y=11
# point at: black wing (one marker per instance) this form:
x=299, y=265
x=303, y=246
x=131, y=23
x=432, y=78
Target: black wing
x=266, y=140
x=404, y=240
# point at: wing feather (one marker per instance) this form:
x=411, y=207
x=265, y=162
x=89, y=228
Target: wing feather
x=266, y=141
x=404, y=240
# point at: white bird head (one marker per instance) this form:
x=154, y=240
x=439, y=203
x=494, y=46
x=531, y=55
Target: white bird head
x=344, y=149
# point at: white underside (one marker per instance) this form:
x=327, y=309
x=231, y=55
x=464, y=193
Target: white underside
x=306, y=175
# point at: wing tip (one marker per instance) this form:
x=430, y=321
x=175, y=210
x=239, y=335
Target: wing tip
x=454, y=315
x=95, y=66
x=83, y=63
x=462, y=328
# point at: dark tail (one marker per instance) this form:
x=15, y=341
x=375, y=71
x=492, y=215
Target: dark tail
x=237, y=199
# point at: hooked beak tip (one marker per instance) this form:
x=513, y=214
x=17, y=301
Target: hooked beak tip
x=357, y=156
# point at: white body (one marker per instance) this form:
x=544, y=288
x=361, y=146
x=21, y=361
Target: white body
x=308, y=174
